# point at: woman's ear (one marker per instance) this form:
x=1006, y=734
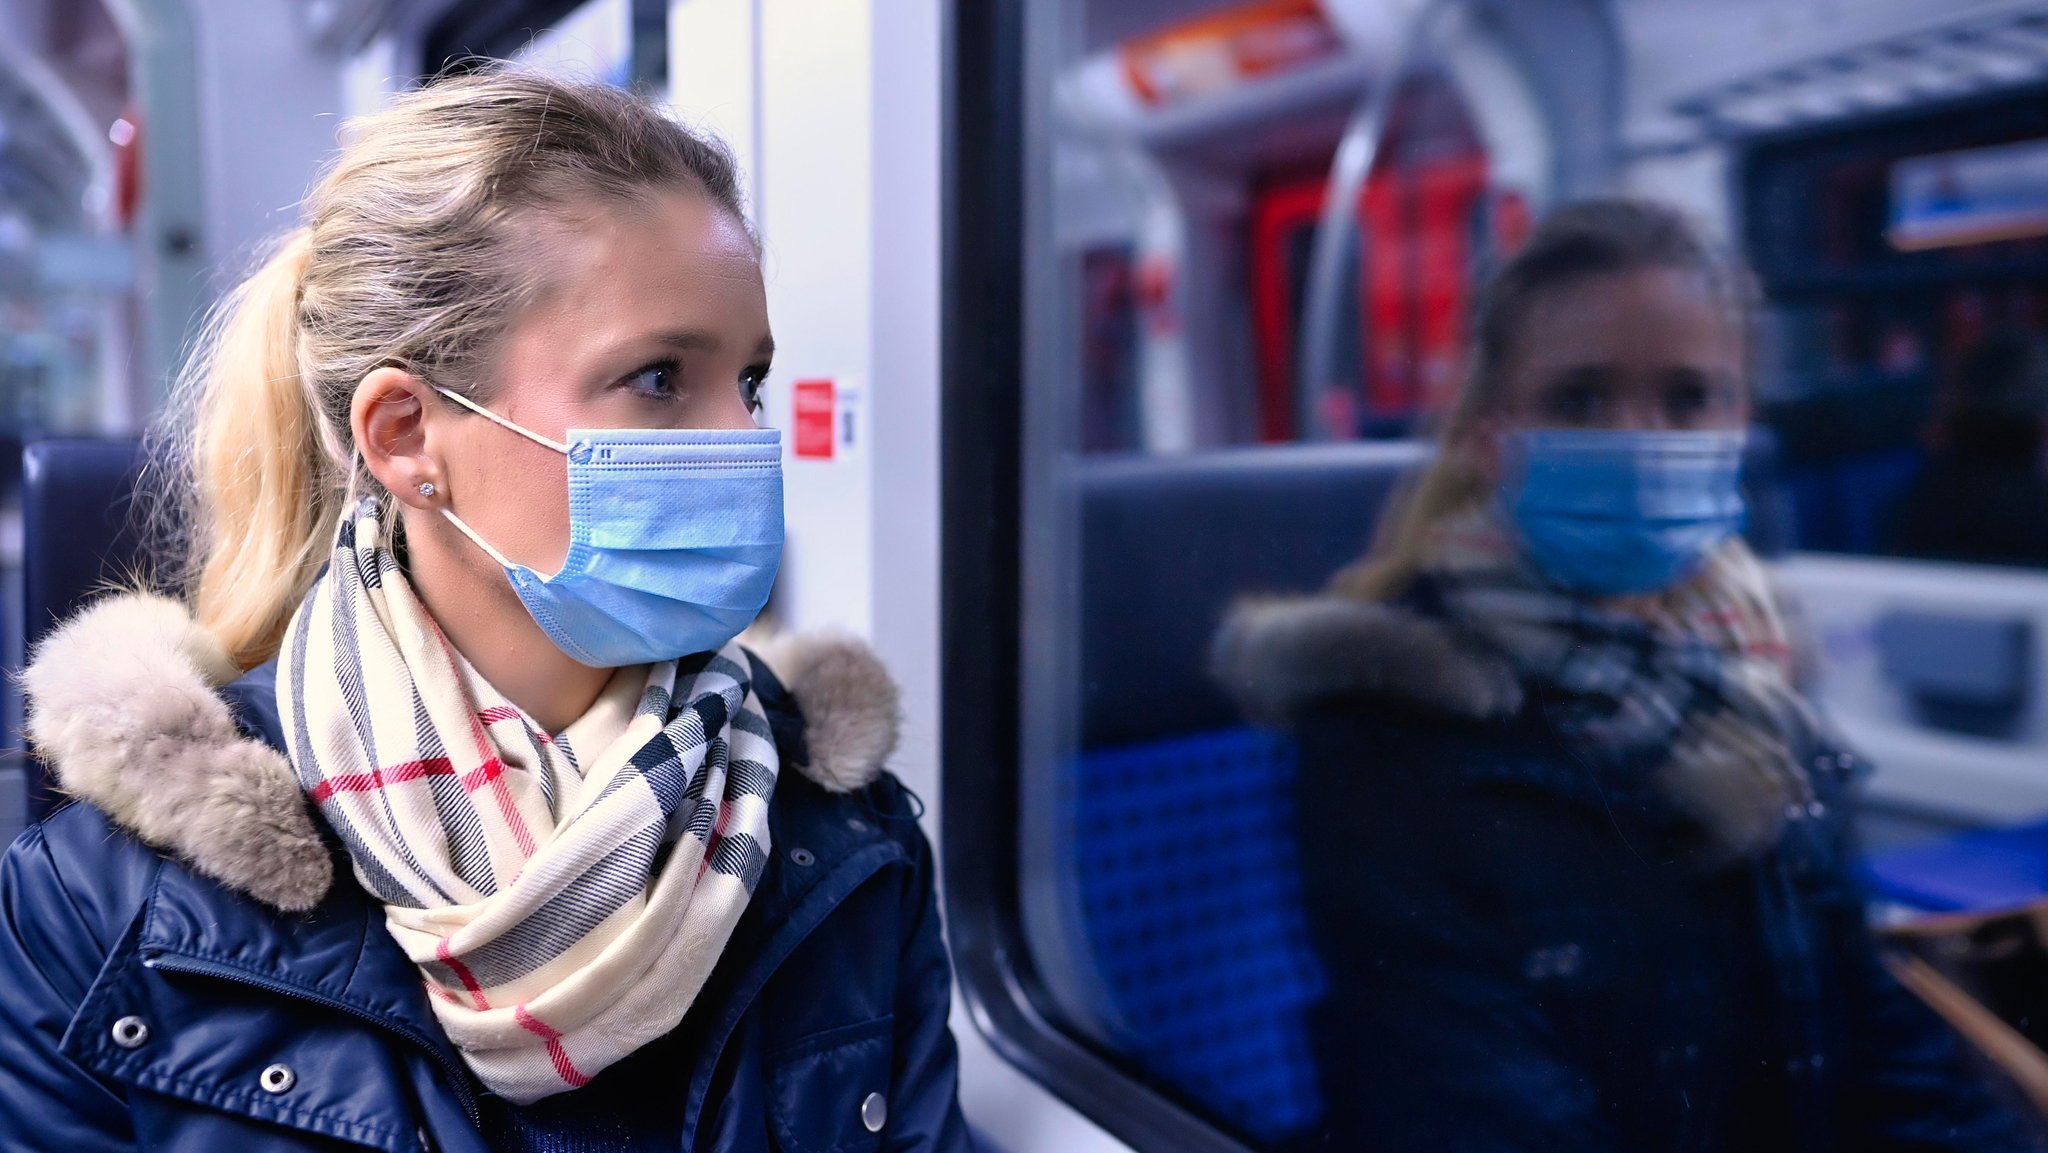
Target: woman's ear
x=389, y=419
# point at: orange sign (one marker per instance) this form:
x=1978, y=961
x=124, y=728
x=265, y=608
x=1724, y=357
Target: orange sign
x=1218, y=51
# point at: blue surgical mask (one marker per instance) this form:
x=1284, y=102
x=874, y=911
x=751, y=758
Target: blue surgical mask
x=1613, y=512
x=675, y=536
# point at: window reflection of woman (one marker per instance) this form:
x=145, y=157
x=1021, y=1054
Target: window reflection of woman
x=1576, y=852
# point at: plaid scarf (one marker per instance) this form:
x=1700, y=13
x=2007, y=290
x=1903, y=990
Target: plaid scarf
x=566, y=895
x=1690, y=689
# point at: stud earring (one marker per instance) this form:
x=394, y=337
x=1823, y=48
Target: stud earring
x=426, y=490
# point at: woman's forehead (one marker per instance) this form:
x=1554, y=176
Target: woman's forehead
x=1643, y=314
x=677, y=264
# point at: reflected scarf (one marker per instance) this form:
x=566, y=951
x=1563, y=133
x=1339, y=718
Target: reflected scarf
x=1691, y=687
x=565, y=896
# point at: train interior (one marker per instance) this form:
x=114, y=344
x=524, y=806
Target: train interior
x=1100, y=314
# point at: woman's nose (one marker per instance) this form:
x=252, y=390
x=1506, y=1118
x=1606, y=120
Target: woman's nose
x=1638, y=413
x=731, y=413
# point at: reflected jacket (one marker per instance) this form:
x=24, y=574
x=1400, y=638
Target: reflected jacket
x=149, y=1001
x=1521, y=954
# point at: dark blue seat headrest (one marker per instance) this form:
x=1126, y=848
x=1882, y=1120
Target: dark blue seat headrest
x=81, y=533
x=81, y=530
x=1167, y=543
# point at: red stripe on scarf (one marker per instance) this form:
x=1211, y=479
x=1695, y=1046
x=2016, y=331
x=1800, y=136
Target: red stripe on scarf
x=491, y=771
x=447, y=957
x=497, y=713
x=564, y=1068
x=483, y=774
x=379, y=778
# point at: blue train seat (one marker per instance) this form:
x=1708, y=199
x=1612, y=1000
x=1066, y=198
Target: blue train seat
x=1167, y=543
x=1181, y=819
x=1978, y=872
x=81, y=534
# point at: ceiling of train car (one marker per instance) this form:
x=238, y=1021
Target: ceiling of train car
x=1734, y=67
x=41, y=172
x=63, y=81
x=1104, y=25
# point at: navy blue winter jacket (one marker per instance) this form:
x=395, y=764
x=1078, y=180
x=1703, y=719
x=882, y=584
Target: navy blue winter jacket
x=147, y=1005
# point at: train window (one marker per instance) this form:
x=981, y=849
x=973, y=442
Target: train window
x=594, y=40
x=1380, y=504
x=1908, y=351
x=84, y=320
x=618, y=41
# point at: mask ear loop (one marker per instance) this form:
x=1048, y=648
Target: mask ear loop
x=529, y=434
x=475, y=539
x=500, y=421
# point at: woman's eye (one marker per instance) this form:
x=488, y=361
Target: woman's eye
x=752, y=382
x=1575, y=404
x=655, y=380
x=1685, y=403
x=1688, y=401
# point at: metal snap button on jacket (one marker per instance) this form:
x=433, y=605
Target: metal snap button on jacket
x=874, y=1112
x=131, y=1032
x=277, y=1079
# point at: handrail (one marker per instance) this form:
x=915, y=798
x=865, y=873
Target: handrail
x=1357, y=150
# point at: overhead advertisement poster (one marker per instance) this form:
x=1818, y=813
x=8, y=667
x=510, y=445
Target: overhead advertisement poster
x=1973, y=196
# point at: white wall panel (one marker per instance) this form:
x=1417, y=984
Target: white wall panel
x=814, y=167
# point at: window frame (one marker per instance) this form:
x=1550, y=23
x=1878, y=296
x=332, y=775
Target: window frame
x=989, y=138
x=469, y=34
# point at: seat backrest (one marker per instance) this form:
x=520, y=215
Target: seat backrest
x=1203, y=959
x=81, y=533
x=1167, y=543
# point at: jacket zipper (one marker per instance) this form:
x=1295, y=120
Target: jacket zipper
x=457, y=1075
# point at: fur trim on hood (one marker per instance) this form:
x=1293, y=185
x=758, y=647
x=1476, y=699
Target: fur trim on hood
x=122, y=707
x=1275, y=656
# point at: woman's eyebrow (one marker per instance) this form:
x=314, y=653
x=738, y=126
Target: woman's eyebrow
x=703, y=340
x=687, y=339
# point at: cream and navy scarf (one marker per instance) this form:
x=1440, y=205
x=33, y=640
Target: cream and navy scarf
x=565, y=895
x=1691, y=689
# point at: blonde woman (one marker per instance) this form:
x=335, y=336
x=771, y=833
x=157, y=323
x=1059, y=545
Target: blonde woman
x=1578, y=858
x=442, y=811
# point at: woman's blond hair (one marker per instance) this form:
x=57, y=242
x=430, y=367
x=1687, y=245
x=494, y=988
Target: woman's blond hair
x=417, y=250
x=1588, y=238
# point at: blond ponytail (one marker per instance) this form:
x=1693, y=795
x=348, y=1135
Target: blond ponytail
x=263, y=473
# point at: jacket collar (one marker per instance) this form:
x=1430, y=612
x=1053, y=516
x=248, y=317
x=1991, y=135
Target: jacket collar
x=338, y=954
x=130, y=705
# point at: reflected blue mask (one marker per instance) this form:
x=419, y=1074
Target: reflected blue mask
x=675, y=536
x=1613, y=512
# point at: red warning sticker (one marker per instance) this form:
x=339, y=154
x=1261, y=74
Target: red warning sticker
x=813, y=406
